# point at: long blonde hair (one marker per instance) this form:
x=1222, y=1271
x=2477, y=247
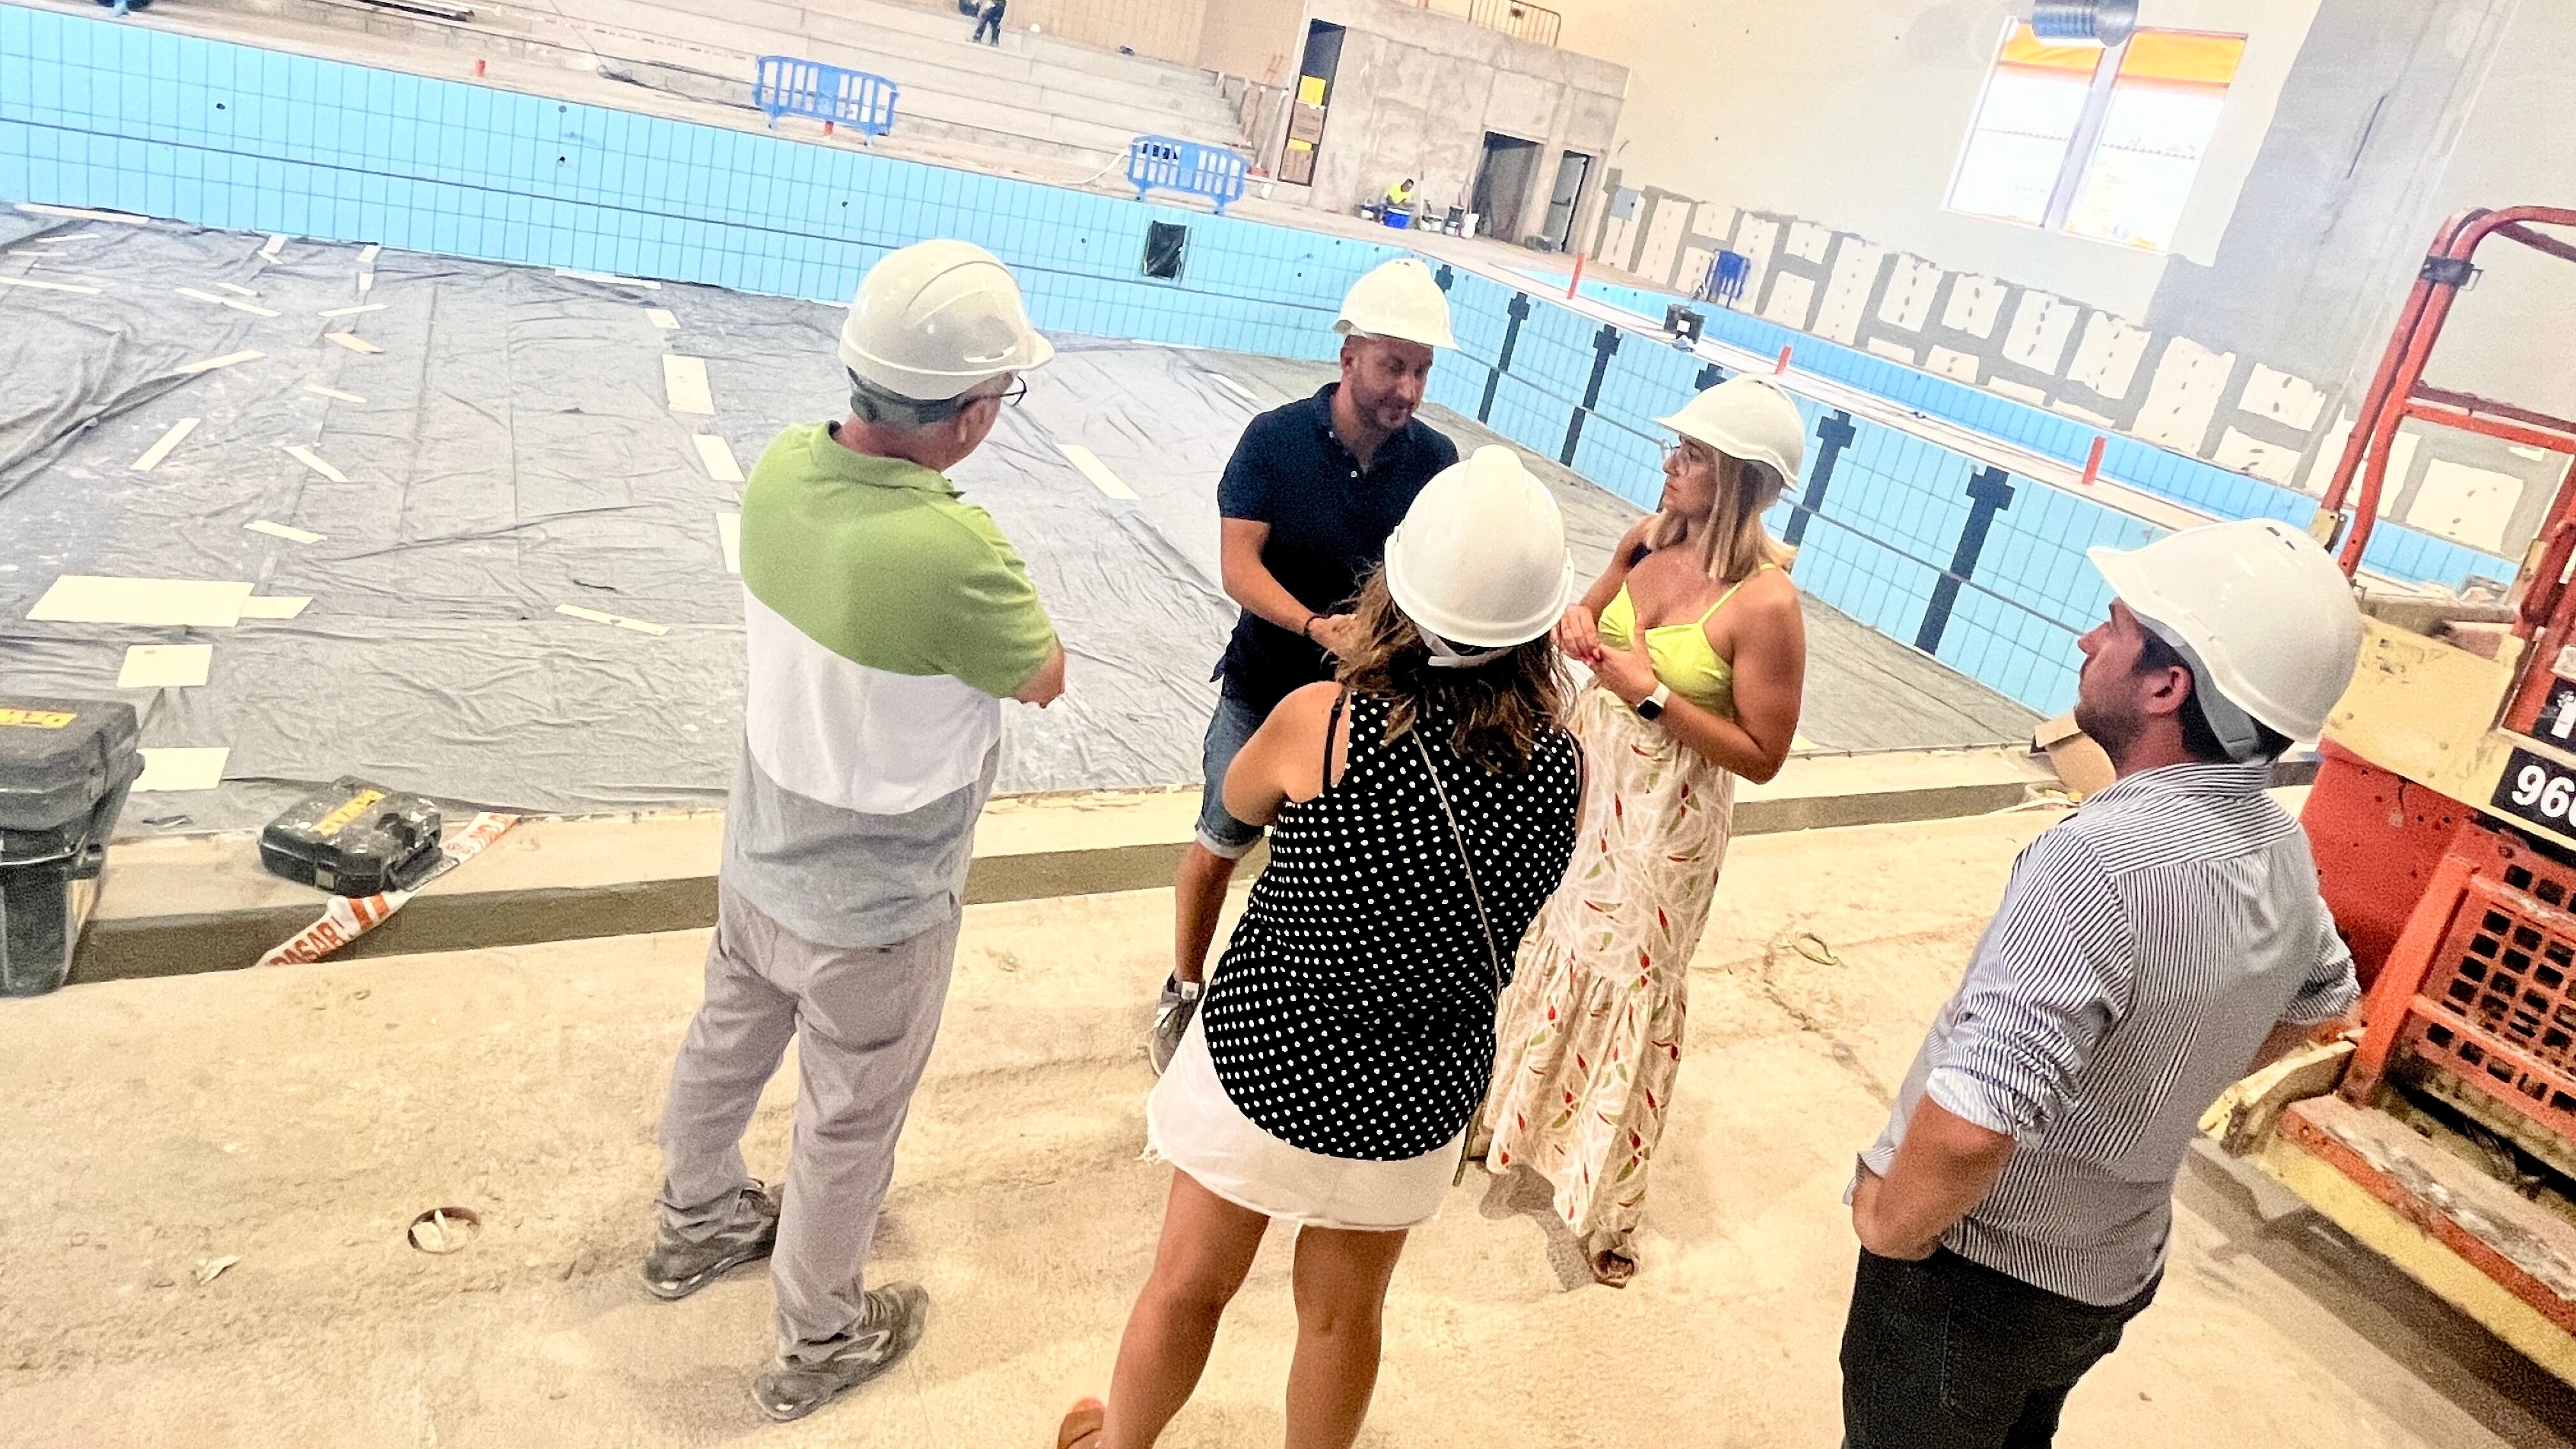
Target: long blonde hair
x=1737, y=543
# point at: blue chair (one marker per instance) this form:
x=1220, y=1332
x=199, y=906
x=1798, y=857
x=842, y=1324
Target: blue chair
x=787, y=86
x=1165, y=163
x=1727, y=273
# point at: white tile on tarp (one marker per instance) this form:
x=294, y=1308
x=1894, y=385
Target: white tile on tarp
x=285, y=531
x=685, y=380
x=47, y=286
x=661, y=317
x=229, y=359
x=165, y=666
x=38, y=208
x=1090, y=466
x=729, y=538
x=188, y=767
x=318, y=390
x=107, y=599
x=717, y=455
x=274, y=606
x=351, y=341
x=313, y=460
x=276, y=244
x=354, y=311
x=153, y=455
x=601, y=616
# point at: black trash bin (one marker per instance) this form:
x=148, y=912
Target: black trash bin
x=65, y=765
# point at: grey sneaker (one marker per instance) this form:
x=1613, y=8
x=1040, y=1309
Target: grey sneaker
x=892, y=1325
x=676, y=1268
x=1173, y=1009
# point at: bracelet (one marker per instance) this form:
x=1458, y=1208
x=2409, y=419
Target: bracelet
x=1306, y=631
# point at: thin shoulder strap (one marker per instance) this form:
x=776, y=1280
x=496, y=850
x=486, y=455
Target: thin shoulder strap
x=1730, y=593
x=1332, y=729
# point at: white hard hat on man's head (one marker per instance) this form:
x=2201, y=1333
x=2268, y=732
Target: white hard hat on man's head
x=936, y=318
x=1747, y=417
x=1480, y=558
x=1399, y=300
x=2263, y=612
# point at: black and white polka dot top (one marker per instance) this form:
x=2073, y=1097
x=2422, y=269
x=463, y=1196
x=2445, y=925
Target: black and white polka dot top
x=1353, y=1013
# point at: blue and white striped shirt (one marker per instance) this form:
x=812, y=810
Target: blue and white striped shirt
x=2144, y=948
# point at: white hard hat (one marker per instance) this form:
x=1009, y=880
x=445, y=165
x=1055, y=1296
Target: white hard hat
x=1480, y=558
x=1747, y=417
x=1398, y=300
x=935, y=318
x=2259, y=607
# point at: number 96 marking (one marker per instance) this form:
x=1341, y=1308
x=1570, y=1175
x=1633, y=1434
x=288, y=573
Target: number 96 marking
x=2537, y=790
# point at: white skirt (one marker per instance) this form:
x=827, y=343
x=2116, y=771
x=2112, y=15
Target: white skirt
x=1192, y=1124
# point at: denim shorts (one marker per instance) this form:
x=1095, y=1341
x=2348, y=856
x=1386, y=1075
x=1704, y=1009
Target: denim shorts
x=1228, y=729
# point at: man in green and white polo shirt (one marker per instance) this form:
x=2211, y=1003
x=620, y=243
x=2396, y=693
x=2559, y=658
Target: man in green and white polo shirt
x=884, y=619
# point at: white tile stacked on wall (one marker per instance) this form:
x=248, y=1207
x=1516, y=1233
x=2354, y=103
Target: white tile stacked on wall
x=2080, y=362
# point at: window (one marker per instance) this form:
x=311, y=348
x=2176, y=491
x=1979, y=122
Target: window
x=2100, y=142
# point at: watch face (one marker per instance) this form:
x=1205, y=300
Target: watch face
x=1648, y=709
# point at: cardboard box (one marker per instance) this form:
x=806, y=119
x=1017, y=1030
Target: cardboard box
x=2080, y=764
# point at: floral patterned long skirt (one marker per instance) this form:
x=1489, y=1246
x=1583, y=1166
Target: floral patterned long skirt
x=1589, y=1035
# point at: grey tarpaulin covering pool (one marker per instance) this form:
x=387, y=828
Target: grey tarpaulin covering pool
x=513, y=450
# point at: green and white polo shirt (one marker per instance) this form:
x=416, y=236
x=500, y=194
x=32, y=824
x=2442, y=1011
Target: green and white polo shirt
x=884, y=620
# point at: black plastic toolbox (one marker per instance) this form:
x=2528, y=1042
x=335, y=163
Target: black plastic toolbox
x=65, y=765
x=354, y=839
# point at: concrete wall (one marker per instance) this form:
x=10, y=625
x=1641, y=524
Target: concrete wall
x=1257, y=39
x=1417, y=90
x=1819, y=141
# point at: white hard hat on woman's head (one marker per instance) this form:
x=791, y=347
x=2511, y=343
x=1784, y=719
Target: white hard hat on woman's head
x=1400, y=300
x=2265, y=617
x=1480, y=558
x=1747, y=417
x=936, y=318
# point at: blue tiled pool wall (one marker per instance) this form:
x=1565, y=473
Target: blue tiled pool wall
x=2395, y=549
x=99, y=114
x=1890, y=514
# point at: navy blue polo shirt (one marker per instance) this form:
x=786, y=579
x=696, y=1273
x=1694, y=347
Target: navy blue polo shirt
x=1328, y=518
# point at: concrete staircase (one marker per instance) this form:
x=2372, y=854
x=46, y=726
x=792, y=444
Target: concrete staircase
x=1034, y=94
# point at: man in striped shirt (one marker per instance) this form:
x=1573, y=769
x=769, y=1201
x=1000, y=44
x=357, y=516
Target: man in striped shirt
x=2149, y=950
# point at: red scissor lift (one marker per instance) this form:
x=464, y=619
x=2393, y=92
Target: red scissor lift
x=2444, y=820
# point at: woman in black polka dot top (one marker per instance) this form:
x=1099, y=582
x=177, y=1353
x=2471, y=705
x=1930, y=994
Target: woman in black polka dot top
x=1422, y=809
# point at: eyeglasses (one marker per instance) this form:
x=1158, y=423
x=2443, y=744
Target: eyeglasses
x=1009, y=397
x=1681, y=453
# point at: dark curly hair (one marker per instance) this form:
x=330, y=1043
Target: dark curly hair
x=1498, y=712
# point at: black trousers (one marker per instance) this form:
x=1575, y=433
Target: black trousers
x=990, y=24
x=1950, y=1354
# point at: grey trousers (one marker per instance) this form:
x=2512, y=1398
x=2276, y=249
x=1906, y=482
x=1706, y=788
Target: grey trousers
x=864, y=1019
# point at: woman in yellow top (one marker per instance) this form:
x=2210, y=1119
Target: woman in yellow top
x=1699, y=656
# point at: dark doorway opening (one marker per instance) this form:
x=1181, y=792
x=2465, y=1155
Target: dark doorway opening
x=1572, y=170
x=1503, y=184
x=1315, y=75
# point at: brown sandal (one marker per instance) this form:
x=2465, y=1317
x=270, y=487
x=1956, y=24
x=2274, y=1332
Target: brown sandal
x=1082, y=1424
x=1612, y=1268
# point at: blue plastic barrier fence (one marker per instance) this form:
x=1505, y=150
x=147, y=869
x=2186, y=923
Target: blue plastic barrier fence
x=790, y=87
x=1161, y=163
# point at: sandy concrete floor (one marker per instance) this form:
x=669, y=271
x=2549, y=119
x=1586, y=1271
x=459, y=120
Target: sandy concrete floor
x=299, y=1118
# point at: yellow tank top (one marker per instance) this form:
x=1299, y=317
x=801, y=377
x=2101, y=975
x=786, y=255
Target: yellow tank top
x=1681, y=653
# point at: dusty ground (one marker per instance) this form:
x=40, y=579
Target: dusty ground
x=299, y=1118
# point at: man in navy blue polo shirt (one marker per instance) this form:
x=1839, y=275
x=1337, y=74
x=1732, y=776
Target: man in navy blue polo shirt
x=1307, y=501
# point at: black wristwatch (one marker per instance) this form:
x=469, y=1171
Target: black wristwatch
x=1652, y=706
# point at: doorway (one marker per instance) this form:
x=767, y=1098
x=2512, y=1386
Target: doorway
x=1503, y=184
x=1315, y=74
x=1571, y=171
